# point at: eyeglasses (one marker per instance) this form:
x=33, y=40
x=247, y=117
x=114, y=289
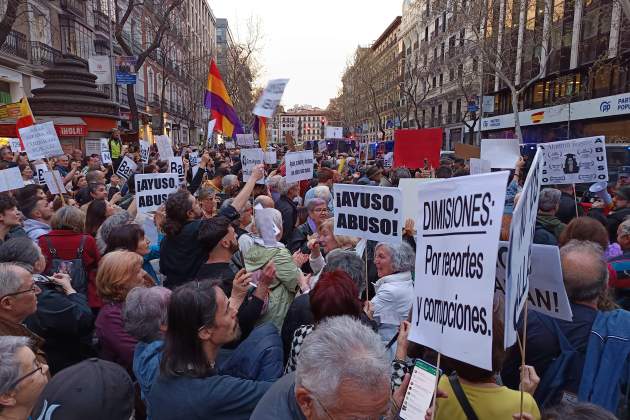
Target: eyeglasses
x=39, y=368
x=324, y=210
x=34, y=288
x=330, y=417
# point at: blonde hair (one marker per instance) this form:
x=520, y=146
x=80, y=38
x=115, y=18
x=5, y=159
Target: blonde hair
x=68, y=218
x=117, y=274
x=343, y=241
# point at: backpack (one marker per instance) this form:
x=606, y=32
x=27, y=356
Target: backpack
x=561, y=380
x=77, y=272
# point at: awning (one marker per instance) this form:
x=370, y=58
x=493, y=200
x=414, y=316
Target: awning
x=65, y=126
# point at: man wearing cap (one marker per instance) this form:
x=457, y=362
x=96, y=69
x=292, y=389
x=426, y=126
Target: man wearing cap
x=621, y=201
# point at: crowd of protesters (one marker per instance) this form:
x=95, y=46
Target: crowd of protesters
x=193, y=312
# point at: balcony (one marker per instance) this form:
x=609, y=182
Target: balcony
x=140, y=101
x=16, y=45
x=43, y=54
x=101, y=21
x=77, y=7
x=154, y=100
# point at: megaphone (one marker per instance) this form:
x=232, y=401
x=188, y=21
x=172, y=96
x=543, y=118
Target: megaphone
x=600, y=189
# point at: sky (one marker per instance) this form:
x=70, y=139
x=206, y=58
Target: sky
x=308, y=42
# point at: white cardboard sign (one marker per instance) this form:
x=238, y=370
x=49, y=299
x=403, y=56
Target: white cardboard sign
x=547, y=293
x=92, y=147
x=522, y=230
x=479, y=166
x=106, y=156
x=176, y=166
x=164, y=147
x=270, y=98
x=193, y=159
x=501, y=153
x=250, y=158
x=388, y=159
x=245, y=139
x=126, y=168
x=322, y=145
x=144, y=151
x=230, y=144
x=40, y=169
x=574, y=161
x=299, y=165
x=334, y=132
x=152, y=190
x=373, y=213
x=15, y=145
x=54, y=182
x=458, y=223
x=211, y=125
x=271, y=157
x=11, y=179
x=411, y=200
x=41, y=141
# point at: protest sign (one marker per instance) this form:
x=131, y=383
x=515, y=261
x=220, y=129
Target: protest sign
x=322, y=145
x=522, y=230
x=458, y=223
x=176, y=166
x=299, y=165
x=11, y=179
x=270, y=98
x=126, y=168
x=152, y=190
x=229, y=144
x=547, y=294
x=245, y=139
x=479, y=166
x=334, y=132
x=574, y=161
x=412, y=147
x=144, y=151
x=40, y=141
x=249, y=159
x=40, y=168
x=271, y=157
x=54, y=182
x=92, y=147
x=164, y=147
x=211, y=125
x=373, y=213
x=502, y=153
x=388, y=159
x=15, y=145
x=105, y=154
x=467, y=151
x=193, y=158
x=411, y=200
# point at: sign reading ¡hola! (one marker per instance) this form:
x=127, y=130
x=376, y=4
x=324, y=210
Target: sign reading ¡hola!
x=71, y=130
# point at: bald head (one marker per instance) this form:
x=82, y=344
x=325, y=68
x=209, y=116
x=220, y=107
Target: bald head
x=265, y=201
x=584, y=270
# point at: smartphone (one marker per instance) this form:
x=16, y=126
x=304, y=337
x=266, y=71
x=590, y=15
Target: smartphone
x=420, y=391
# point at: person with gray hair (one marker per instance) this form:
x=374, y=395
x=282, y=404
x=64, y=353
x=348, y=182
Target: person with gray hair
x=394, y=289
x=287, y=207
x=548, y=226
x=22, y=377
x=145, y=315
x=272, y=184
x=230, y=185
x=342, y=372
x=117, y=219
x=318, y=212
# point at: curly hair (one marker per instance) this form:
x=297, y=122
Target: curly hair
x=117, y=275
x=177, y=207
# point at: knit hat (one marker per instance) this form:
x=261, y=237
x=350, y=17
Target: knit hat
x=93, y=389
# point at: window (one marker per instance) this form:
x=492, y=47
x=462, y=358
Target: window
x=443, y=21
x=451, y=74
x=460, y=71
x=462, y=36
x=426, y=33
x=475, y=63
x=434, y=81
x=441, y=79
x=437, y=25
x=75, y=38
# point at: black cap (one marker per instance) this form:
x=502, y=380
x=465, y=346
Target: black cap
x=93, y=389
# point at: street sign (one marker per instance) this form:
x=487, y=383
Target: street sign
x=472, y=107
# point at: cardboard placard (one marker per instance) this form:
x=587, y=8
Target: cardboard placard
x=41, y=141
x=574, y=161
x=299, y=165
x=11, y=179
x=501, y=153
x=467, y=151
x=152, y=190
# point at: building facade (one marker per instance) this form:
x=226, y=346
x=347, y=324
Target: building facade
x=302, y=122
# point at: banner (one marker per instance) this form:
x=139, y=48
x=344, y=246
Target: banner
x=547, y=293
x=100, y=66
x=574, y=161
x=125, y=70
x=373, y=213
x=15, y=145
x=106, y=156
x=144, y=151
x=40, y=169
x=334, y=132
x=501, y=153
x=271, y=157
x=522, y=230
x=211, y=125
x=249, y=159
x=176, y=166
x=467, y=151
x=11, y=179
x=299, y=165
x=270, y=98
x=229, y=144
x=458, y=223
x=152, y=190
x=479, y=166
x=126, y=168
x=245, y=139
x=54, y=181
x=164, y=147
x=412, y=147
x=41, y=141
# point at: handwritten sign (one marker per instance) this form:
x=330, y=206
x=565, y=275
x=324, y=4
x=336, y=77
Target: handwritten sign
x=299, y=165
x=41, y=141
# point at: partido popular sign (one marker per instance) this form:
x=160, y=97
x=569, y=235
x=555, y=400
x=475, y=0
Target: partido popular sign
x=373, y=213
x=458, y=222
x=152, y=190
x=574, y=161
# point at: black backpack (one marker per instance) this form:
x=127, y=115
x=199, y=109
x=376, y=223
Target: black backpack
x=77, y=273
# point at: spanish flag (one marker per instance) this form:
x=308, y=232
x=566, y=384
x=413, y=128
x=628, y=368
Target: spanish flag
x=220, y=105
x=537, y=117
x=25, y=118
x=260, y=128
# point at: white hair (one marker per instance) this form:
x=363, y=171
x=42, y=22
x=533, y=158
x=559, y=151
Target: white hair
x=145, y=311
x=402, y=255
x=229, y=180
x=341, y=349
x=10, y=280
x=549, y=199
x=9, y=363
x=284, y=186
x=321, y=191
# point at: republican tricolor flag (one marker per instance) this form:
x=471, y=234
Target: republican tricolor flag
x=220, y=105
x=260, y=128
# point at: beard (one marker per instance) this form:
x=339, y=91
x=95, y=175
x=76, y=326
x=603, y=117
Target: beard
x=234, y=247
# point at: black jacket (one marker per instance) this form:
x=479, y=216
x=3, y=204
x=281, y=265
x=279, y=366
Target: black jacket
x=288, y=209
x=614, y=220
x=299, y=239
x=566, y=212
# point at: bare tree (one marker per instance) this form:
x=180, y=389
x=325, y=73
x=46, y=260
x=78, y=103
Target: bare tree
x=9, y=17
x=416, y=84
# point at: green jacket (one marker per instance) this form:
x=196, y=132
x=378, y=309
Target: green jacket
x=283, y=289
x=551, y=223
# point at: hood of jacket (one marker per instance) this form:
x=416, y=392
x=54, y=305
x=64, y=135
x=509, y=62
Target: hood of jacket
x=548, y=222
x=31, y=225
x=146, y=363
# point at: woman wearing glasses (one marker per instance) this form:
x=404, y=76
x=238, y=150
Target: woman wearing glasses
x=22, y=377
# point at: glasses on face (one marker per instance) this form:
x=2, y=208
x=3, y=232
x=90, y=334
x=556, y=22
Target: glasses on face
x=39, y=368
x=34, y=288
x=322, y=210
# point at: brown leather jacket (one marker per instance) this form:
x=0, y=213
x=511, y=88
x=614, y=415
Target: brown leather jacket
x=11, y=328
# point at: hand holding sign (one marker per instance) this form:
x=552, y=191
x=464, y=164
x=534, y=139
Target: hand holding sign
x=258, y=172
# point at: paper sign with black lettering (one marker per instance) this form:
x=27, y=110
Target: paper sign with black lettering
x=106, y=155
x=126, y=168
x=270, y=98
x=193, y=159
x=366, y=212
x=299, y=165
x=458, y=223
x=15, y=145
x=164, y=147
x=334, y=132
x=40, y=168
x=322, y=145
x=92, y=147
x=152, y=190
x=250, y=158
x=176, y=166
x=54, y=182
x=574, y=161
x=11, y=179
x=522, y=230
x=270, y=157
x=41, y=141
x=245, y=139
x=479, y=166
x=144, y=151
x=547, y=293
